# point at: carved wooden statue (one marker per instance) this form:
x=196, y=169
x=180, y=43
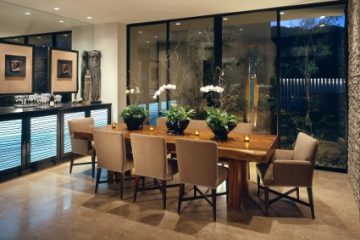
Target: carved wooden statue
x=91, y=76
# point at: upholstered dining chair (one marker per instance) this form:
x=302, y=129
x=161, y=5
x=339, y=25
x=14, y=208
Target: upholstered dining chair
x=81, y=146
x=198, y=166
x=290, y=168
x=150, y=160
x=161, y=121
x=111, y=155
x=244, y=128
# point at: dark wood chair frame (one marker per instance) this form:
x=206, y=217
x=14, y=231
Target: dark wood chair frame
x=93, y=162
x=280, y=195
x=156, y=185
x=202, y=195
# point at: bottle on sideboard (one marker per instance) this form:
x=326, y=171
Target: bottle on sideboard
x=52, y=100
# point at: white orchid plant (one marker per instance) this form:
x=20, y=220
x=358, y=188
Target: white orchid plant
x=135, y=90
x=212, y=88
x=163, y=88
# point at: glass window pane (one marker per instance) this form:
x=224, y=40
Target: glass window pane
x=19, y=40
x=249, y=66
x=63, y=41
x=312, y=83
x=41, y=40
x=147, y=66
x=191, y=60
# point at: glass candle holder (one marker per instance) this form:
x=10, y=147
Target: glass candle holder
x=247, y=138
x=151, y=128
x=196, y=133
x=113, y=125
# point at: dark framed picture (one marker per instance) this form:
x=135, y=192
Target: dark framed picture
x=15, y=66
x=64, y=68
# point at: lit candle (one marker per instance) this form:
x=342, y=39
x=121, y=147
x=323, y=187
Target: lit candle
x=113, y=125
x=151, y=128
x=196, y=133
x=247, y=138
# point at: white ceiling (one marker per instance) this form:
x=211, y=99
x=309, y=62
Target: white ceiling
x=135, y=11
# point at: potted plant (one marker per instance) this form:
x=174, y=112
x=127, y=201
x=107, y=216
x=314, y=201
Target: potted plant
x=178, y=119
x=220, y=122
x=134, y=116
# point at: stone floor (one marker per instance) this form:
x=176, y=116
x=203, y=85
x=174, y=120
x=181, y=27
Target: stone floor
x=52, y=204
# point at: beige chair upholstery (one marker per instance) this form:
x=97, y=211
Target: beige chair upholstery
x=199, y=125
x=150, y=160
x=81, y=146
x=111, y=155
x=290, y=168
x=161, y=121
x=198, y=166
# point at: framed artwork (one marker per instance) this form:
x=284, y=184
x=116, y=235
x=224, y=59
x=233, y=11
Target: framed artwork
x=16, y=68
x=64, y=71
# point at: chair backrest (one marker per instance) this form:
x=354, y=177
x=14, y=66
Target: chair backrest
x=305, y=148
x=80, y=146
x=110, y=150
x=149, y=154
x=199, y=125
x=244, y=128
x=161, y=121
x=197, y=162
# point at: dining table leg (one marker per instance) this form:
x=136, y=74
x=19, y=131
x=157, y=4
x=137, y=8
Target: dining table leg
x=238, y=181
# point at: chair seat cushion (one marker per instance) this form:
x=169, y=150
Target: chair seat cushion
x=266, y=173
x=222, y=175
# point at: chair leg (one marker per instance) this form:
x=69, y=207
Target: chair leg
x=143, y=182
x=163, y=190
x=258, y=185
x=97, y=179
x=297, y=193
x=121, y=184
x=93, y=164
x=71, y=163
x=136, y=187
x=213, y=191
x=181, y=194
x=266, y=193
x=194, y=191
x=311, y=201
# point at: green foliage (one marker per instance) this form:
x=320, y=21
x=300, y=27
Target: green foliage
x=178, y=113
x=133, y=111
x=218, y=118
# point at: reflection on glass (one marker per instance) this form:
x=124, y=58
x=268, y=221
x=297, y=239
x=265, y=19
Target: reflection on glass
x=148, y=67
x=312, y=83
x=41, y=40
x=191, y=60
x=249, y=53
x=63, y=40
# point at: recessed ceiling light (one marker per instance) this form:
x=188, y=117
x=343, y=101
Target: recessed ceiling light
x=147, y=41
x=178, y=24
x=282, y=13
x=322, y=25
x=39, y=37
x=61, y=21
x=140, y=32
x=241, y=29
x=155, y=36
x=199, y=32
x=89, y=18
x=56, y=8
x=225, y=18
x=322, y=17
x=27, y=13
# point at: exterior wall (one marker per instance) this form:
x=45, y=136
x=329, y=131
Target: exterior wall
x=354, y=97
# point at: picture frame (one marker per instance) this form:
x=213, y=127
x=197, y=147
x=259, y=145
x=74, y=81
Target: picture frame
x=63, y=71
x=16, y=68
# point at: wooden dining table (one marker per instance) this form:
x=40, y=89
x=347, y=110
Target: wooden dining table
x=234, y=151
